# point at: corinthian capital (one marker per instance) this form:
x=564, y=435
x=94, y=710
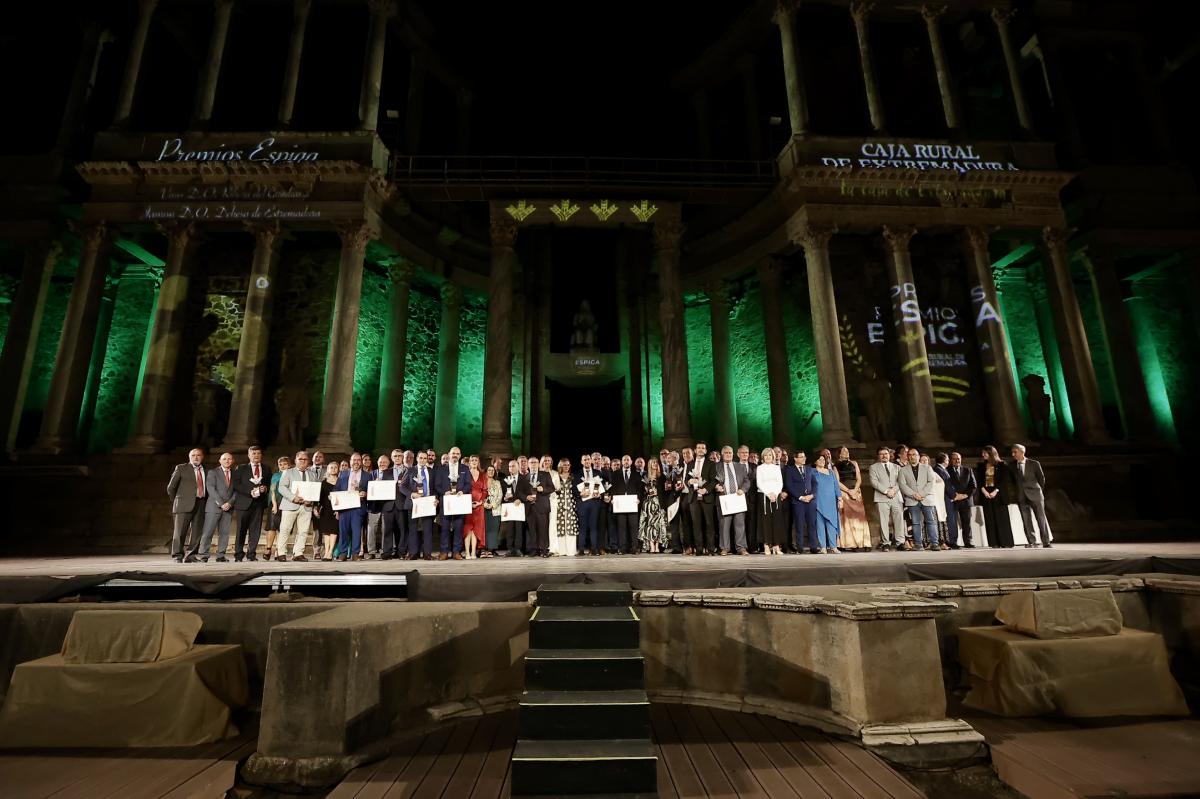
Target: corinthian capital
x=1056, y=237
x=898, y=236
x=860, y=10
x=667, y=235
x=1002, y=15
x=504, y=234
x=932, y=11
x=814, y=237
x=267, y=235
x=355, y=234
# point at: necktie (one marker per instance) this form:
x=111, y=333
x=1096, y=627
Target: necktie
x=199, y=482
x=226, y=477
x=424, y=482
x=257, y=476
x=729, y=484
x=626, y=475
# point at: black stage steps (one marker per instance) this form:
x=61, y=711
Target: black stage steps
x=584, y=726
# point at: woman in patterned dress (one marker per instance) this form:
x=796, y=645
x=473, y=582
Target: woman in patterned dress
x=567, y=527
x=652, y=523
x=474, y=532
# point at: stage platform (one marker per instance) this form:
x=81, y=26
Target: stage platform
x=510, y=579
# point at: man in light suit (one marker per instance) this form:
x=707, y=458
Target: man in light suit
x=916, y=484
x=454, y=478
x=352, y=523
x=218, y=511
x=889, y=501
x=797, y=482
x=1031, y=484
x=251, y=486
x=296, y=513
x=188, y=491
x=963, y=484
x=732, y=478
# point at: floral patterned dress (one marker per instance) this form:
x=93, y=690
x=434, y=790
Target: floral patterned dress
x=652, y=523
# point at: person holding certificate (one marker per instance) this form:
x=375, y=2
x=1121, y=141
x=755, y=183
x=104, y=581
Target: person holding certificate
x=351, y=522
x=701, y=479
x=512, y=531
x=626, y=495
x=327, y=521
x=375, y=511
x=452, y=480
x=733, y=480
x=535, y=488
x=296, y=507
x=590, y=492
x=418, y=485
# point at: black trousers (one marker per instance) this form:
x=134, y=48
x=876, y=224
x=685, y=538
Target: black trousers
x=188, y=529
x=703, y=524
x=539, y=530
x=420, y=536
x=962, y=515
x=627, y=530
x=395, y=532
x=513, y=535
x=249, y=529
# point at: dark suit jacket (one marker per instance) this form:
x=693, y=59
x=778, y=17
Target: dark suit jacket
x=526, y=486
x=636, y=484
x=441, y=479
x=741, y=476
x=384, y=505
x=412, y=481
x=242, y=486
x=962, y=481
x=798, y=485
x=708, y=479
x=1030, y=485
x=343, y=484
x=1003, y=481
x=218, y=492
x=181, y=488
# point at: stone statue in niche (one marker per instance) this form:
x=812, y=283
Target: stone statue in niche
x=875, y=394
x=1038, y=402
x=291, y=402
x=585, y=335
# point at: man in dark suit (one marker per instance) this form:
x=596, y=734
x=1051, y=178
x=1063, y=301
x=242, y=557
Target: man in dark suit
x=962, y=485
x=701, y=479
x=351, y=523
x=752, y=542
x=251, y=485
x=454, y=478
x=798, y=484
x=186, y=489
x=535, y=488
x=732, y=478
x=626, y=482
x=1031, y=495
x=218, y=511
x=395, y=532
x=589, y=505
x=417, y=483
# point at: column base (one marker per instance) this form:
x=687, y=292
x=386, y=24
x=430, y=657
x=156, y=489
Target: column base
x=142, y=445
x=497, y=447
x=838, y=438
x=932, y=442
x=236, y=445
x=333, y=445
x=677, y=441
x=53, y=445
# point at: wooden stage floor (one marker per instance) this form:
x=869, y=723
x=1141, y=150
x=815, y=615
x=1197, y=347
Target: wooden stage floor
x=701, y=752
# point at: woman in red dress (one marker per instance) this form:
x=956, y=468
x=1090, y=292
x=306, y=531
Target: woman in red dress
x=474, y=529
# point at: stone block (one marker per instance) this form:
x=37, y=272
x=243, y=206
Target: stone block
x=722, y=600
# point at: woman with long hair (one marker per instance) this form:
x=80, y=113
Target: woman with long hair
x=327, y=523
x=491, y=511
x=994, y=482
x=566, y=509
x=652, y=522
x=828, y=500
x=856, y=531
x=474, y=535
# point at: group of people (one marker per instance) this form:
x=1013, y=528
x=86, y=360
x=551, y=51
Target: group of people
x=692, y=501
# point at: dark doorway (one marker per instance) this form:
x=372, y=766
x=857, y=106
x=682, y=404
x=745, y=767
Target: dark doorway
x=585, y=419
x=584, y=268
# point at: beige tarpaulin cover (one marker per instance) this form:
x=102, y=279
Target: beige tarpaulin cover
x=183, y=701
x=1115, y=675
x=129, y=636
x=1061, y=614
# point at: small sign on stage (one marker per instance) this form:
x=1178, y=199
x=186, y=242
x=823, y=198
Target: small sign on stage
x=344, y=500
x=384, y=490
x=423, y=507
x=733, y=503
x=456, y=504
x=625, y=503
x=308, y=491
x=512, y=512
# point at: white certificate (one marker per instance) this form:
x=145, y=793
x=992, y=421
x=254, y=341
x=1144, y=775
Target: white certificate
x=733, y=503
x=625, y=503
x=308, y=491
x=512, y=512
x=424, y=506
x=344, y=500
x=672, y=511
x=381, y=490
x=456, y=504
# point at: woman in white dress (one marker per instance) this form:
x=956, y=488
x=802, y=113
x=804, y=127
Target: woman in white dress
x=566, y=514
x=939, y=502
x=547, y=465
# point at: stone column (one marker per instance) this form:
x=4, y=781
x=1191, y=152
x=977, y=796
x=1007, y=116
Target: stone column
x=1137, y=417
x=677, y=411
x=20, y=341
x=498, y=349
x=718, y=309
x=94, y=39
x=415, y=110
x=860, y=11
x=464, y=121
x=389, y=420
x=827, y=337
x=703, y=133
x=754, y=138
x=291, y=75
x=158, y=379
x=206, y=94
x=1001, y=16
x=1007, y=423
x=445, y=412
x=372, y=81
x=133, y=62
x=343, y=340
x=770, y=277
x=1078, y=371
x=931, y=14
x=792, y=77
x=909, y=332
x=71, y=364
x=91, y=389
x=1142, y=312
x=245, y=409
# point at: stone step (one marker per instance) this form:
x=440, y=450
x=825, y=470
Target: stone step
x=582, y=628
x=565, y=768
x=585, y=595
x=580, y=669
x=584, y=714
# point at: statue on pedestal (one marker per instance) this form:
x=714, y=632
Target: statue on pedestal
x=1038, y=402
x=585, y=334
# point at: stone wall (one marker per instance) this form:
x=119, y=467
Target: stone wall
x=119, y=377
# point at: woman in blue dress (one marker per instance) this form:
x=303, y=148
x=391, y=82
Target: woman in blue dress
x=828, y=501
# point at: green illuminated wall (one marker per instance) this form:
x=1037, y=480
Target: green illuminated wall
x=8, y=292
x=1094, y=329
x=472, y=332
x=47, y=344
x=1165, y=330
x=1019, y=308
x=747, y=354
x=653, y=378
x=802, y=360
x=217, y=357
x=372, y=328
x=122, y=362
x=698, y=331
x=420, y=370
